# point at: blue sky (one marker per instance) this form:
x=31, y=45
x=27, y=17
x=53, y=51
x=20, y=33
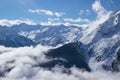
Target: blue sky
x=73, y=11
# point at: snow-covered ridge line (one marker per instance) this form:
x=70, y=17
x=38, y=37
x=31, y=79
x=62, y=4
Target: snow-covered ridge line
x=45, y=35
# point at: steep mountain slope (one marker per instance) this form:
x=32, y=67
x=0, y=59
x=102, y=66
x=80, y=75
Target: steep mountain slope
x=10, y=38
x=68, y=56
x=104, y=41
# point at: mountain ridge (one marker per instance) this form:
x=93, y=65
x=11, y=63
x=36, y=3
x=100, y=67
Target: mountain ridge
x=47, y=35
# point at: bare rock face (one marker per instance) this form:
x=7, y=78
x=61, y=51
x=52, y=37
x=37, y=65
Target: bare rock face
x=116, y=62
x=67, y=56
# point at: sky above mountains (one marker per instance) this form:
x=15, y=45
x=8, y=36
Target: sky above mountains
x=48, y=12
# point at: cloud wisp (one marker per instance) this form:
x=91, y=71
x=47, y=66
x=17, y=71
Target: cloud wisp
x=100, y=10
x=46, y=12
x=87, y=12
x=101, y=17
x=6, y=22
x=78, y=20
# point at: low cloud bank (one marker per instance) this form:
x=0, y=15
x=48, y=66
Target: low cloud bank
x=20, y=64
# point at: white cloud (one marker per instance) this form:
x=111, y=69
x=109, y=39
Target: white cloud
x=99, y=9
x=81, y=12
x=53, y=19
x=65, y=21
x=102, y=15
x=59, y=14
x=51, y=23
x=21, y=61
x=6, y=22
x=39, y=11
x=78, y=20
x=86, y=12
x=46, y=12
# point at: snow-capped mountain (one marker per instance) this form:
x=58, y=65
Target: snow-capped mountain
x=26, y=35
x=48, y=35
x=104, y=43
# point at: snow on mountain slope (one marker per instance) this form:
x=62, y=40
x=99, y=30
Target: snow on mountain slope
x=24, y=34
x=104, y=41
x=49, y=35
